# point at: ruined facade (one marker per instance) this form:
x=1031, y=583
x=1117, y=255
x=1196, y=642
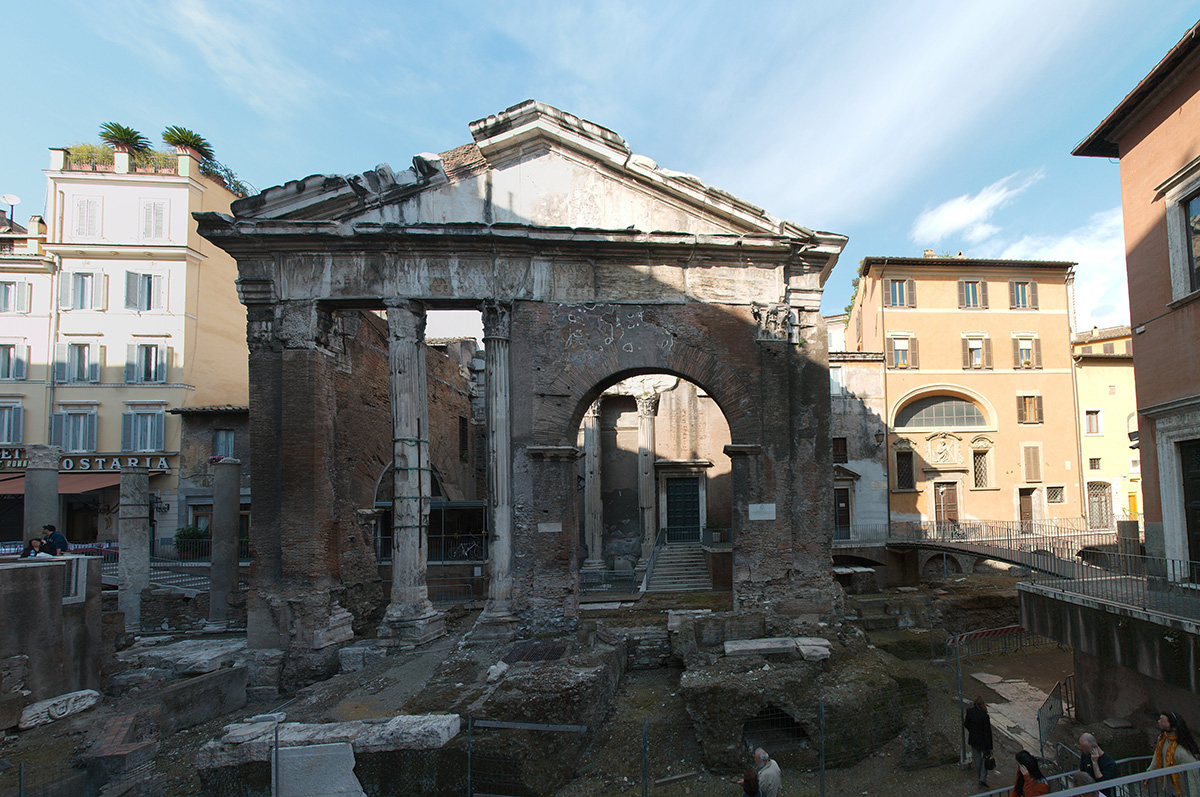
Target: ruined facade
x=591, y=265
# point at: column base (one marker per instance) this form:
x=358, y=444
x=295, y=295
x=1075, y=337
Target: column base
x=413, y=630
x=593, y=565
x=495, y=622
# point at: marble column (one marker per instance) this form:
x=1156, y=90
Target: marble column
x=133, y=537
x=593, y=507
x=227, y=504
x=410, y=616
x=497, y=338
x=647, y=489
x=41, y=488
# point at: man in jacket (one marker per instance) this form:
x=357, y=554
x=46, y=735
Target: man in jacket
x=769, y=776
x=979, y=737
x=1094, y=761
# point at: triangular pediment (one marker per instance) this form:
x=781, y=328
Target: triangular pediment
x=530, y=165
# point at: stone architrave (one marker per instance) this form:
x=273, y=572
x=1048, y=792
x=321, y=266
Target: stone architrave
x=133, y=538
x=647, y=410
x=593, y=518
x=410, y=616
x=41, y=488
x=56, y=708
x=497, y=339
x=227, y=500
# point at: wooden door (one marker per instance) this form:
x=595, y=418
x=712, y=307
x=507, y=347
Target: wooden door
x=1026, y=497
x=945, y=501
x=841, y=513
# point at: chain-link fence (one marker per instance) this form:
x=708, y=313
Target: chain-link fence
x=46, y=779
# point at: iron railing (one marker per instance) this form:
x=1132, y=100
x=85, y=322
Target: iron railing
x=1167, y=587
x=1154, y=783
x=617, y=581
x=682, y=534
x=659, y=541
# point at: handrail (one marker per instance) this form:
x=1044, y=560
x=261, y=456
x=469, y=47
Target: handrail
x=1108, y=786
x=659, y=541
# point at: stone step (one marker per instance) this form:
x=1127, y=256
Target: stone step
x=879, y=622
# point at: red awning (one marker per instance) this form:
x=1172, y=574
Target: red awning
x=68, y=483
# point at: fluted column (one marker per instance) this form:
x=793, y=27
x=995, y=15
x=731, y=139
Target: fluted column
x=497, y=336
x=647, y=503
x=410, y=617
x=593, y=507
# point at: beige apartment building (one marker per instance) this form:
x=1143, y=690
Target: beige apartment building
x=120, y=313
x=978, y=386
x=1108, y=424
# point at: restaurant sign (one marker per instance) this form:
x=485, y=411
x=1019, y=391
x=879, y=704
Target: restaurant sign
x=15, y=459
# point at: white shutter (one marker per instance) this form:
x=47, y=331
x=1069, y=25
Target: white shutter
x=81, y=218
x=133, y=281
x=66, y=284
x=95, y=359
x=160, y=368
x=132, y=371
x=160, y=219
x=21, y=300
x=158, y=292
x=58, y=424
x=20, y=361
x=62, y=354
x=16, y=425
x=90, y=432
x=160, y=430
x=99, y=291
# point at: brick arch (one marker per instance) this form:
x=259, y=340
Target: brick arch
x=584, y=378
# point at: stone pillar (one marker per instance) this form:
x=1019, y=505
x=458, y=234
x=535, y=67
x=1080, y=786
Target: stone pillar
x=227, y=504
x=647, y=489
x=593, y=507
x=133, y=537
x=410, y=617
x=41, y=488
x=497, y=336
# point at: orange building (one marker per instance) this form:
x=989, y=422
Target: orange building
x=1155, y=132
x=978, y=385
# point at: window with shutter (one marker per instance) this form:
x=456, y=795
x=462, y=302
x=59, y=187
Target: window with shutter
x=1029, y=409
x=143, y=431
x=75, y=432
x=87, y=217
x=154, y=219
x=1033, y=462
x=11, y=425
x=971, y=294
x=840, y=452
x=9, y=301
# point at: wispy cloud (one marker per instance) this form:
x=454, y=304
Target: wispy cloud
x=1101, y=286
x=970, y=216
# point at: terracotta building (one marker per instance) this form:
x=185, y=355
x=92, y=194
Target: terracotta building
x=1155, y=132
x=978, y=386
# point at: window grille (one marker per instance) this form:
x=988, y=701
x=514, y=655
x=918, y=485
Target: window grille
x=904, y=471
x=979, y=460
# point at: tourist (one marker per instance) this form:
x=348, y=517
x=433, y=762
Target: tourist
x=1030, y=781
x=769, y=776
x=749, y=783
x=1095, y=762
x=979, y=737
x=32, y=548
x=1176, y=746
x=54, y=543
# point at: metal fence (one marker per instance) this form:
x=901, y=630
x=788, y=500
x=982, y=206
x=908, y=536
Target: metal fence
x=1169, y=587
x=47, y=779
x=1135, y=781
x=1053, y=709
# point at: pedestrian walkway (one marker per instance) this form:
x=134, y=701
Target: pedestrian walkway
x=1016, y=718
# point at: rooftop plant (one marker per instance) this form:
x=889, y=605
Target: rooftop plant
x=119, y=136
x=176, y=136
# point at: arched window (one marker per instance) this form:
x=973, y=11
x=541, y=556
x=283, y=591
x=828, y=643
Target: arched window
x=939, y=412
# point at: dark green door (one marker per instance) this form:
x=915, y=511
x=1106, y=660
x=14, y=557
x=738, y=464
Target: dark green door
x=683, y=509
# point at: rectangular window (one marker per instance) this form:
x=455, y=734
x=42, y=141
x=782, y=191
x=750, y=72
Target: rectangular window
x=901, y=293
x=1055, y=495
x=979, y=466
x=1029, y=409
x=223, y=440
x=146, y=362
x=835, y=381
x=1032, y=459
x=13, y=358
x=1022, y=295
x=972, y=295
x=840, y=453
x=14, y=296
x=82, y=290
x=77, y=362
x=78, y=358
x=1193, y=230
x=1110, y=348
x=1027, y=353
x=75, y=432
x=904, y=471
x=901, y=352
x=154, y=219
x=1091, y=422
x=11, y=425
x=87, y=217
x=1094, y=463
x=145, y=291
x=143, y=431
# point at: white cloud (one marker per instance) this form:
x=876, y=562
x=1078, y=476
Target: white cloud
x=1101, y=286
x=969, y=216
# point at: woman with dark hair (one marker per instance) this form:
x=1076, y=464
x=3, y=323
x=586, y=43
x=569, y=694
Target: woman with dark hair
x=979, y=737
x=750, y=783
x=1177, y=746
x=1030, y=781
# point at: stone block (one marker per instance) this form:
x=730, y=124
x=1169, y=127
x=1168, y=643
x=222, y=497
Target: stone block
x=258, y=694
x=496, y=672
x=361, y=655
x=56, y=708
x=203, y=698
x=194, y=656
x=759, y=647
x=319, y=770
x=11, y=707
x=675, y=617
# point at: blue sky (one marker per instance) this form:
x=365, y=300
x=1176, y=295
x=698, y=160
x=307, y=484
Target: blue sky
x=904, y=125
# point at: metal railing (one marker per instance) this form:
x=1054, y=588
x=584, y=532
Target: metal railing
x=1154, y=783
x=659, y=541
x=1167, y=587
x=682, y=534
x=618, y=581
x=1048, y=715
x=717, y=537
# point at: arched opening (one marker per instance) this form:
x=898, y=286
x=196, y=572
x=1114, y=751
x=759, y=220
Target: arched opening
x=656, y=498
x=773, y=729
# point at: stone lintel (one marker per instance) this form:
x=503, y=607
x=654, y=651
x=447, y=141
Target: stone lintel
x=570, y=453
x=743, y=450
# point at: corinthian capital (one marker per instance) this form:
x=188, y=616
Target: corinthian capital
x=647, y=405
x=497, y=320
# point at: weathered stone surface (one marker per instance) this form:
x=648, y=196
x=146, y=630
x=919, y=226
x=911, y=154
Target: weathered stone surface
x=759, y=647
x=317, y=770
x=190, y=656
x=247, y=742
x=203, y=698
x=496, y=672
x=353, y=658
x=814, y=648
x=56, y=708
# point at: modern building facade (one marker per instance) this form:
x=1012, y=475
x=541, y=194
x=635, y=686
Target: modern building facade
x=1107, y=417
x=1155, y=133
x=978, y=386
x=124, y=314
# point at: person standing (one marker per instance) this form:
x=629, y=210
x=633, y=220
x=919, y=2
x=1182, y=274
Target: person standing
x=979, y=737
x=1176, y=746
x=54, y=543
x=1094, y=761
x=769, y=777
x=749, y=783
x=1030, y=780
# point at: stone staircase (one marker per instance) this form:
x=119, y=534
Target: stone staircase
x=680, y=568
